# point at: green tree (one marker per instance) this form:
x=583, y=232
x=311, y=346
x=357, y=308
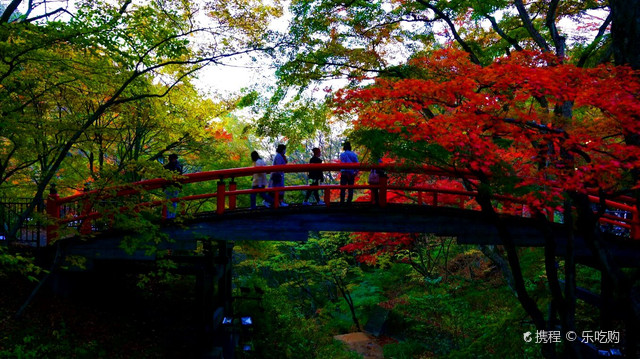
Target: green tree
x=61, y=80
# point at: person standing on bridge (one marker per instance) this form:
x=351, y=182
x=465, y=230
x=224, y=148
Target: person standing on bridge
x=277, y=178
x=259, y=181
x=316, y=177
x=172, y=190
x=347, y=176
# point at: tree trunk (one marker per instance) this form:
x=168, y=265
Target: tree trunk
x=625, y=32
x=349, y=300
x=502, y=264
x=563, y=306
x=529, y=305
x=569, y=321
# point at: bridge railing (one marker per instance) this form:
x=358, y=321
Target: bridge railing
x=82, y=212
x=31, y=232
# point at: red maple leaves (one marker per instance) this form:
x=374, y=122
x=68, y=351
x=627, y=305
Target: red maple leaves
x=527, y=115
x=529, y=125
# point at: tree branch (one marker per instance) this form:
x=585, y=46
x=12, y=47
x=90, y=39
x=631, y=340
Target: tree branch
x=48, y=14
x=558, y=41
x=587, y=52
x=528, y=24
x=503, y=34
x=9, y=10
x=455, y=33
x=168, y=147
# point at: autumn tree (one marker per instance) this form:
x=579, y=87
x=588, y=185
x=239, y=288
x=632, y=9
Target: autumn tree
x=459, y=115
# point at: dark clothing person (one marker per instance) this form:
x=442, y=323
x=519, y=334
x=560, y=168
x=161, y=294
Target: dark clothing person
x=173, y=164
x=172, y=191
x=347, y=176
x=316, y=177
x=277, y=178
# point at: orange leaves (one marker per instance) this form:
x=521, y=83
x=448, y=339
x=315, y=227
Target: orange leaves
x=220, y=134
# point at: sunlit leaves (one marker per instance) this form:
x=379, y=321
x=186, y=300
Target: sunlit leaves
x=333, y=40
x=248, y=18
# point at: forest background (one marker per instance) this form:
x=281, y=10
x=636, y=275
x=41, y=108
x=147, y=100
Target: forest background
x=97, y=93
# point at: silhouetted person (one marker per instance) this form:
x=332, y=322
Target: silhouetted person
x=174, y=165
x=347, y=176
x=259, y=181
x=316, y=177
x=172, y=190
x=277, y=178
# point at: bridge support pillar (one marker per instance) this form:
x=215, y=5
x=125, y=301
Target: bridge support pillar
x=205, y=289
x=327, y=197
x=225, y=251
x=214, y=289
x=382, y=200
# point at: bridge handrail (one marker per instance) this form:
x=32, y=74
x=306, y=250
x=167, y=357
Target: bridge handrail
x=606, y=218
x=54, y=202
x=231, y=173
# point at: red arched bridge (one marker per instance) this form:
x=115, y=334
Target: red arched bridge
x=209, y=208
x=416, y=200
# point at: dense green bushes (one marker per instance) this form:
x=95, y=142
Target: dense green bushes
x=471, y=313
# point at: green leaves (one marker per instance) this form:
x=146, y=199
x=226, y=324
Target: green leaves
x=16, y=263
x=81, y=95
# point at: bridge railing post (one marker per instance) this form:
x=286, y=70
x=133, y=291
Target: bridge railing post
x=165, y=211
x=276, y=199
x=434, y=201
x=327, y=197
x=232, y=197
x=372, y=193
x=382, y=199
x=53, y=212
x=220, y=197
x=635, y=226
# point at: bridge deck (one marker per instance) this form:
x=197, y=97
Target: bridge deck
x=294, y=223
